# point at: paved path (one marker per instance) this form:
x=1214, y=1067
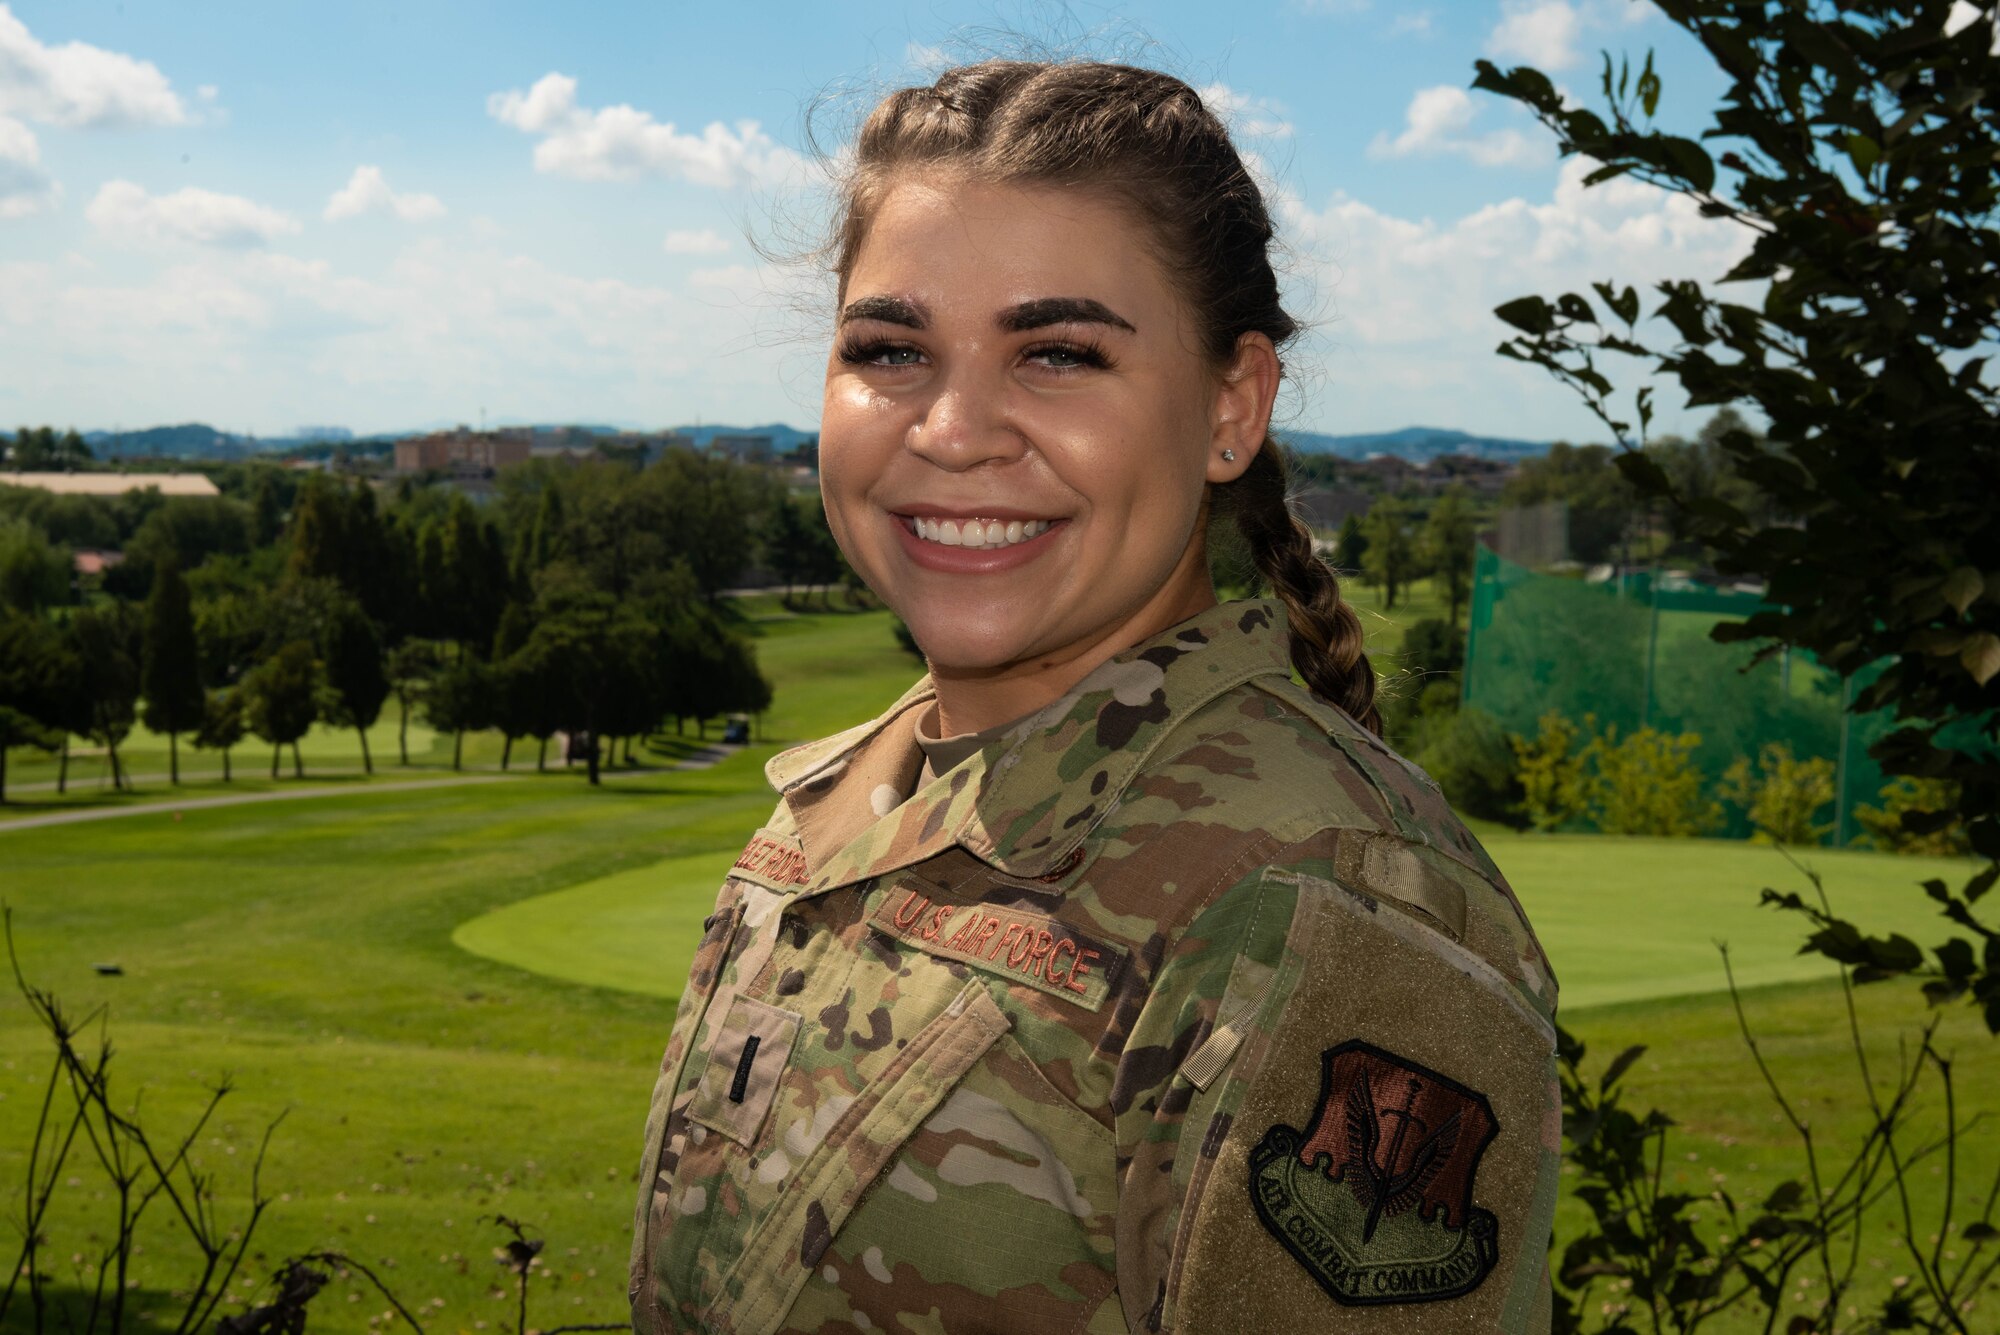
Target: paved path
x=237, y=799
x=702, y=759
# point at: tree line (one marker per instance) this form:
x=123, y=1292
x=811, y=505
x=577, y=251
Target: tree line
x=581, y=600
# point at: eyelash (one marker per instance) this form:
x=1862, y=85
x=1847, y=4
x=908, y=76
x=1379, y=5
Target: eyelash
x=1087, y=355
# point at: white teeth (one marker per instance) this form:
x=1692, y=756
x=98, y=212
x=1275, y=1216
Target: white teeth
x=979, y=533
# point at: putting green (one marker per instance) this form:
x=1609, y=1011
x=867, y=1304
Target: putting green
x=1622, y=919
x=633, y=931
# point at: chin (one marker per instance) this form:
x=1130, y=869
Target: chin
x=952, y=646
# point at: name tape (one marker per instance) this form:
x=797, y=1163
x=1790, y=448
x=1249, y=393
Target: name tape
x=773, y=862
x=1021, y=947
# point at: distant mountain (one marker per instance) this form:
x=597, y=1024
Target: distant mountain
x=195, y=440
x=1415, y=443
x=784, y=439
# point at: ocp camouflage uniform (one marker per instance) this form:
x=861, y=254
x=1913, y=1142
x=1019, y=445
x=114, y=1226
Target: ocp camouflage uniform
x=1186, y=1006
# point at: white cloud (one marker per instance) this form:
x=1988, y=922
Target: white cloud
x=622, y=142
x=208, y=92
x=24, y=187
x=1246, y=115
x=1411, y=24
x=1408, y=331
x=77, y=84
x=1542, y=33
x=367, y=191
x=125, y=211
x=707, y=241
x=1438, y=121
x=446, y=327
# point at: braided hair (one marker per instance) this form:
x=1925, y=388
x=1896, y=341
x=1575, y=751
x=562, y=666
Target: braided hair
x=1146, y=139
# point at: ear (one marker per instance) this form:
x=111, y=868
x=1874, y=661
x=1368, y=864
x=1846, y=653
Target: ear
x=1240, y=412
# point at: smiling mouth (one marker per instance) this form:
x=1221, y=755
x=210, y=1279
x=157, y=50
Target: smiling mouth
x=977, y=533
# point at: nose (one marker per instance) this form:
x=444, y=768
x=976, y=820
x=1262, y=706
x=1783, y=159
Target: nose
x=964, y=426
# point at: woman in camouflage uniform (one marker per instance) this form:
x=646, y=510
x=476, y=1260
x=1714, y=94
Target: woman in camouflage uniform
x=1110, y=980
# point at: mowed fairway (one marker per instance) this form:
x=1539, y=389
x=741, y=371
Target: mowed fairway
x=331, y=954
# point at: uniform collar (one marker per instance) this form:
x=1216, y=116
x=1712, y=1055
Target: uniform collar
x=1026, y=802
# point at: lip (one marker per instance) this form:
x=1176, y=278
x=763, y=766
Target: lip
x=926, y=510
x=971, y=560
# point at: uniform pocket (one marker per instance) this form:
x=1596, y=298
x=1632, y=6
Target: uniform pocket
x=761, y=1286
x=744, y=1064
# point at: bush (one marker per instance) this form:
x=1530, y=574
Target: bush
x=906, y=640
x=1434, y=647
x=1648, y=784
x=1555, y=787
x=1781, y=795
x=1939, y=830
x=1467, y=752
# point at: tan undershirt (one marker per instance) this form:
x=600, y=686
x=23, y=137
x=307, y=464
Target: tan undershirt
x=944, y=754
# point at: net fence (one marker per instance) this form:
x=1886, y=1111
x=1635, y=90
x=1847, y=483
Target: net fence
x=1634, y=652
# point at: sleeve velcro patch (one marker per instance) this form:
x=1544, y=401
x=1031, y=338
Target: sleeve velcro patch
x=1019, y=946
x=1374, y=1197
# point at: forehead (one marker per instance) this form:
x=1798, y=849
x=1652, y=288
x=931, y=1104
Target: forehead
x=965, y=242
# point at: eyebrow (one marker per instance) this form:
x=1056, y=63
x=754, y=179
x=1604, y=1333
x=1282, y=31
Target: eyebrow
x=1045, y=311
x=1037, y=314
x=889, y=310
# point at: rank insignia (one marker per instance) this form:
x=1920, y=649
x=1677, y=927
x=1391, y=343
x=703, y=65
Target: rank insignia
x=1374, y=1198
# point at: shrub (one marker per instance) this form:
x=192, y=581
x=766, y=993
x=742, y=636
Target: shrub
x=905, y=639
x=1467, y=752
x=1555, y=788
x=1938, y=831
x=1782, y=794
x=1434, y=648
x=1648, y=784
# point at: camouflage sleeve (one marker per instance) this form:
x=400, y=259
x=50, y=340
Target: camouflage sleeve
x=1338, y=1110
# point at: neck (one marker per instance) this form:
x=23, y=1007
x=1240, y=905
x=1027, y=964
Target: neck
x=973, y=700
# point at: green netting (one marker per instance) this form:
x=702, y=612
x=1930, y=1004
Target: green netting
x=1636, y=652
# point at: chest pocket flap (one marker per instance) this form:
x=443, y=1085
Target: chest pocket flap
x=761, y=1287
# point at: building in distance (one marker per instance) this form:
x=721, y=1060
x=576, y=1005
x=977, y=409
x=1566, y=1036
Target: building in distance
x=462, y=452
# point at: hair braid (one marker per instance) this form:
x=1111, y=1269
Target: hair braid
x=1326, y=634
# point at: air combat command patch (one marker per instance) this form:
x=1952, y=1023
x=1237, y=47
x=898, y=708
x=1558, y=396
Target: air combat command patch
x=1375, y=1197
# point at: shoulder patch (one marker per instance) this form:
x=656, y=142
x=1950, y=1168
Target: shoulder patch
x=1374, y=1197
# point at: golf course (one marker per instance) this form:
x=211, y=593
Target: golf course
x=454, y=989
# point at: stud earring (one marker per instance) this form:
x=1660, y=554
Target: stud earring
x=1229, y=456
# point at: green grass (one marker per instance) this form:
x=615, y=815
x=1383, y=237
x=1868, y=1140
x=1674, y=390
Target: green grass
x=332, y=954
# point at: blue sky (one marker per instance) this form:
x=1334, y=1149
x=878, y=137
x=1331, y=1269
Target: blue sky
x=387, y=215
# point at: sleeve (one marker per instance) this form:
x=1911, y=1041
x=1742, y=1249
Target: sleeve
x=1352, y=1121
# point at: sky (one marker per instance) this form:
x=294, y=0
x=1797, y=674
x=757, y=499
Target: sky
x=268, y=215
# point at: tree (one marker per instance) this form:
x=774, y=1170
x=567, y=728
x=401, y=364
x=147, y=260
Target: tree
x=411, y=666
x=170, y=676
x=351, y=650
x=1351, y=546
x=105, y=641
x=1857, y=148
x=1391, y=557
x=31, y=666
x=267, y=508
x=221, y=724
x=281, y=699
x=33, y=574
x=1448, y=539
x=1586, y=481
x=460, y=700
